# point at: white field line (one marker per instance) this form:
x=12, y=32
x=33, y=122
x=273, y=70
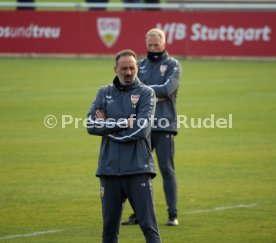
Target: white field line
x=190, y=212
x=221, y=208
x=30, y=234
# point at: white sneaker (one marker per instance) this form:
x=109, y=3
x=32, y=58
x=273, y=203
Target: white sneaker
x=173, y=221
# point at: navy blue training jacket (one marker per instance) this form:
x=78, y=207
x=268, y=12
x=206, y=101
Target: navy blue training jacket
x=163, y=77
x=124, y=151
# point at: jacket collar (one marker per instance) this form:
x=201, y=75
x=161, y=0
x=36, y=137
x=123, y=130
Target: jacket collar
x=121, y=87
x=158, y=56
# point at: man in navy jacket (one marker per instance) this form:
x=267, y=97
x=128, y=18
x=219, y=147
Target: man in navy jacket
x=122, y=113
x=162, y=73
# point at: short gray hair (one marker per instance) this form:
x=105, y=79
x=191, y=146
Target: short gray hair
x=156, y=32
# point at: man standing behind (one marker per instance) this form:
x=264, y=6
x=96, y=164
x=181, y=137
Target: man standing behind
x=121, y=114
x=162, y=73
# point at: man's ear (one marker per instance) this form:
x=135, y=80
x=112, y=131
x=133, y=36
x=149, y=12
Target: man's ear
x=114, y=68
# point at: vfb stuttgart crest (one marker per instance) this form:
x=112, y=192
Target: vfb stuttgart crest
x=134, y=99
x=163, y=68
x=109, y=30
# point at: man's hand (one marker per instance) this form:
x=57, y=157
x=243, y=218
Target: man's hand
x=99, y=114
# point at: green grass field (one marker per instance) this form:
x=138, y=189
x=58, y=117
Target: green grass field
x=226, y=177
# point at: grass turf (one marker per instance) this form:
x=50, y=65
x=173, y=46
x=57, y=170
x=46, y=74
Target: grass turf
x=47, y=175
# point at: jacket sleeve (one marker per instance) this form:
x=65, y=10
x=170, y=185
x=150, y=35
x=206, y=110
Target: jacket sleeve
x=102, y=127
x=172, y=80
x=144, y=119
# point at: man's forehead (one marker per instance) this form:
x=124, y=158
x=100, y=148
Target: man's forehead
x=153, y=37
x=127, y=60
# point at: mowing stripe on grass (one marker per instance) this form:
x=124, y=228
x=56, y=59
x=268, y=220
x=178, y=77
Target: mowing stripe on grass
x=30, y=234
x=221, y=208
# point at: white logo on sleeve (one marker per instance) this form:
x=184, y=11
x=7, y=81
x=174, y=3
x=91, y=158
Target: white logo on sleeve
x=102, y=191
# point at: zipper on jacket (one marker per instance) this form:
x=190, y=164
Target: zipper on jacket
x=121, y=105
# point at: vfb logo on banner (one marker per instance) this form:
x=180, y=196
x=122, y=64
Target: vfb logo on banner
x=173, y=31
x=109, y=30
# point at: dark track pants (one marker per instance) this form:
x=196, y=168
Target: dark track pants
x=138, y=190
x=163, y=144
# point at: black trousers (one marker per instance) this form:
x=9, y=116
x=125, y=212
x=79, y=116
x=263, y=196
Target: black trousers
x=163, y=144
x=138, y=190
